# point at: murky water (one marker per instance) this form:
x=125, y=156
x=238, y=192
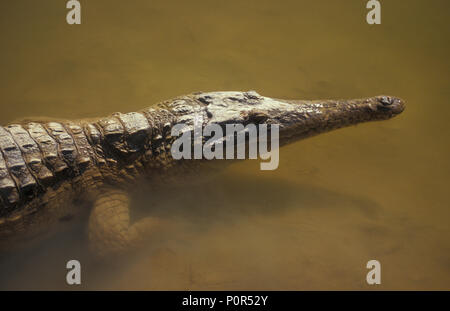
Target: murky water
x=375, y=191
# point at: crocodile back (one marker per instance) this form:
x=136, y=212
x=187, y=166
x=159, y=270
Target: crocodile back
x=38, y=155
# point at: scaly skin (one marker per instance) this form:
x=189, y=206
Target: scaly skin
x=45, y=166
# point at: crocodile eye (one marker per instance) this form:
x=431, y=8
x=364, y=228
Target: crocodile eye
x=256, y=117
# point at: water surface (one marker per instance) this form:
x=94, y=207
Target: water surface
x=375, y=191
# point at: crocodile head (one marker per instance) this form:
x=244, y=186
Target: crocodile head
x=295, y=119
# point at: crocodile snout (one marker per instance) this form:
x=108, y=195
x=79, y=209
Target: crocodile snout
x=391, y=104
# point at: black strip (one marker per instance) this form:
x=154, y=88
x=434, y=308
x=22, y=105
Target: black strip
x=276, y=300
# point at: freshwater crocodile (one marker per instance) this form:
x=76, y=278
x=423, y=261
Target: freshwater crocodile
x=47, y=165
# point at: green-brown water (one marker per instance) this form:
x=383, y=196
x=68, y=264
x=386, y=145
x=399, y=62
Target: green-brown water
x=375, y=191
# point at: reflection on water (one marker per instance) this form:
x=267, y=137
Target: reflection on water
x=375, y=191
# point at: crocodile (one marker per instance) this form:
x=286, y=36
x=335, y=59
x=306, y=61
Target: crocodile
x=47, y=165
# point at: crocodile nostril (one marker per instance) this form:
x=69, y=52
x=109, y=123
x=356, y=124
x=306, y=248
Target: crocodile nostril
x=386, y=101
x=389, y=104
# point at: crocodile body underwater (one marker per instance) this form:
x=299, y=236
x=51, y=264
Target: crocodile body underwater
x=46, y=166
